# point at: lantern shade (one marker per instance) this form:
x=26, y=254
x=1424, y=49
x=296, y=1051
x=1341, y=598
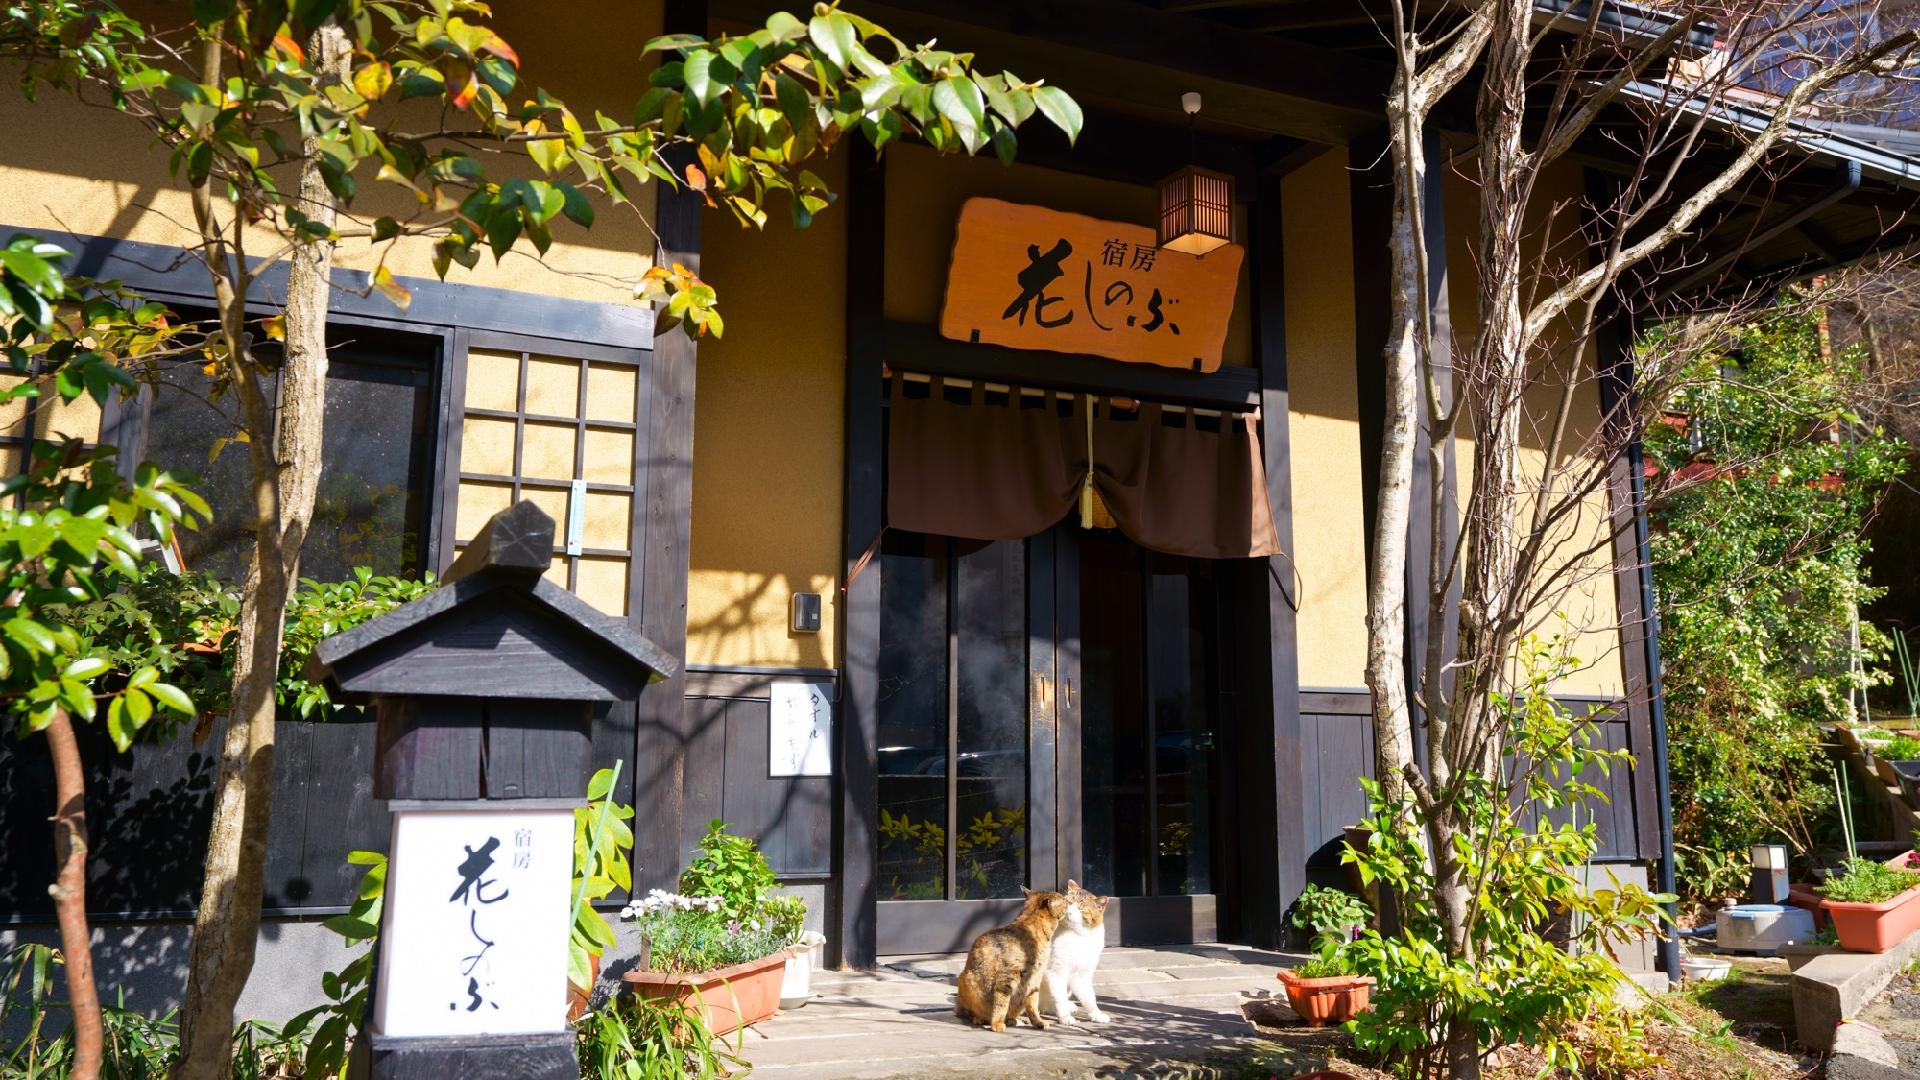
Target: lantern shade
x=1769, y=856
x=1196, y=211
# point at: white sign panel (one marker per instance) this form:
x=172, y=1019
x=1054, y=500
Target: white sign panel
x=801, y=730
x=473, y=940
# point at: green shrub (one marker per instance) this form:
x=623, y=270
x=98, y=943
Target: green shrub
x=731, y=868
x=637, y=1038
x=134, y=1046
x=1759, y=575
x=1534, y=969
x=1329, y=912
x=1899, y=748
x=1869, y=882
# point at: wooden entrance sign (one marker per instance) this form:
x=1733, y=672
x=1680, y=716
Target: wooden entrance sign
x=484, y=691
x=1031, y=278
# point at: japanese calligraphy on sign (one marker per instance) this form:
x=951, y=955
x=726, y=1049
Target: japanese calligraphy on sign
x=475, y=934
x=1031, y=278
x=800, y=730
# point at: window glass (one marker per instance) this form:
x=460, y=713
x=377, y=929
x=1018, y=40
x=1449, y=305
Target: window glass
x=911, y=715
x=377, y=459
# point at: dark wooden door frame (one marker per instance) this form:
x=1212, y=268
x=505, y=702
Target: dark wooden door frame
x=857, y=795
x=661, y=728
x=1273, y=853
x=1271, y=869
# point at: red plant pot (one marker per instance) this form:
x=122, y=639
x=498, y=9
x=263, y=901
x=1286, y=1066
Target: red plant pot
x=731, y=997
x=1876, y=928
x=1335, y=999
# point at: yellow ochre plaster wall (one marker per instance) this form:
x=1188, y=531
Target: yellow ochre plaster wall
x=1588, y=611
x=768, y=439
x=1329, y=532
x=85, y=169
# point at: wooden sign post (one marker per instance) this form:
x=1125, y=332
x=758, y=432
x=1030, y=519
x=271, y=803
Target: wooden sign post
x=483, y=691
x=1031, y=278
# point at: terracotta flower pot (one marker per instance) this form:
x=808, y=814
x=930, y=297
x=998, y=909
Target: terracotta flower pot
x=1335, y=999
x=733, y=997
x=1876, y=928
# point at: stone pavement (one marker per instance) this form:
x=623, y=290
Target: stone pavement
x=1174, y=1003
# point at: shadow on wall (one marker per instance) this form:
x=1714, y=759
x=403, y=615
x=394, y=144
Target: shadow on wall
x=144, y=966
x=743, y=617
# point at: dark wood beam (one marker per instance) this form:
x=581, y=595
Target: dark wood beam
x=1124, y=146
x=921, y=349
x=662, y=733
x=1272, y=780
x=857, y=773
x=1143, y=57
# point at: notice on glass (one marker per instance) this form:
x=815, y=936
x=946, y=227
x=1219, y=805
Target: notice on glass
x=801, y=730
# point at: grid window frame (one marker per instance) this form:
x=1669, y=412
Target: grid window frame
x=584, y=357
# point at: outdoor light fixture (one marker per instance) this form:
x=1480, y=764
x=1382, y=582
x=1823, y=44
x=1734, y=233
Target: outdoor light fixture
x=1769, y=883
x=1196, y=205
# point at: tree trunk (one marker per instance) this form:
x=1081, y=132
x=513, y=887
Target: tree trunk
x=70, y=894
x=1387, y=567
x=286, y=473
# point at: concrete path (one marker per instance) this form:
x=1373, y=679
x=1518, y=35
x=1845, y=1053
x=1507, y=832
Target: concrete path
x=1178, y=1003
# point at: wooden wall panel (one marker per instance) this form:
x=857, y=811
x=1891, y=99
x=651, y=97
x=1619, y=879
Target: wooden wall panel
x=790, y=817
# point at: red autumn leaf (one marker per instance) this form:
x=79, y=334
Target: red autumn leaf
x=289, y=46
x=498, y=46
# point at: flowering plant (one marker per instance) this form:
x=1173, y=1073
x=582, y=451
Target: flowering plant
x=684, y=934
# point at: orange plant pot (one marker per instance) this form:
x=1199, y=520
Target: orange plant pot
x=1332, y=1000
x=732, y=997
x=1876, y=928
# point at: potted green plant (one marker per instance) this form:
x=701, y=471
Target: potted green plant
x=1325, y=990
x=1873, y=904
x=723, y=941
x=1322, y=911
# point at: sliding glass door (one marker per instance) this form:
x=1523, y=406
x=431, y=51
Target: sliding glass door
x=1048, y=709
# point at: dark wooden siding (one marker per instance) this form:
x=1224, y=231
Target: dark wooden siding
x=148, y=809
x=1336, y=735
x=790, y=817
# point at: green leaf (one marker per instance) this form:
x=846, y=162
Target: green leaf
x=601, y=784
x=964, y=107
x=698, y=72
x=577, y=207
x=1056, y=105
x=29, y=635
x=171, y=696
x=85, y=668
x=835, y=36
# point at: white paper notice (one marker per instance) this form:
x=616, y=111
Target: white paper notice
x=474, y=935
x=801, y=730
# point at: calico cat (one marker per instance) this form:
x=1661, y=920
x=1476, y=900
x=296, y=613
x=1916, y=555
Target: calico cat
x=1002, y=978
x=1076, y=952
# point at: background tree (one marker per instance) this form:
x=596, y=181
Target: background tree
x=1759, y=561
x=1549, y=273
x=67, y=533
x=275, y=114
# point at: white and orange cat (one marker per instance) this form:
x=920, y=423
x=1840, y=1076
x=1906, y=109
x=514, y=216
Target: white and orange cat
x=1077, y=942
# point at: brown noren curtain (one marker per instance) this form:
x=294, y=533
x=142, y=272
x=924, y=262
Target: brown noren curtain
x=964, y=463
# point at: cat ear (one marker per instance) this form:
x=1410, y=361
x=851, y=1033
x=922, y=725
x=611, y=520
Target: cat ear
x=1073, y=886
x=1103, y=902
x=1024, y=891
